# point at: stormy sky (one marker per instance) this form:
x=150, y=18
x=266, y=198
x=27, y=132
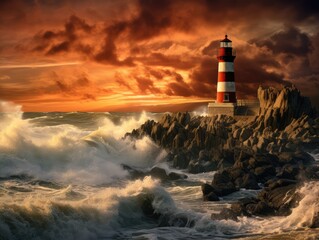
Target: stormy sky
x=130, y=55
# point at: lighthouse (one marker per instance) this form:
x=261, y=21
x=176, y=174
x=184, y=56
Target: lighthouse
x=226, y=102
x=226, y=91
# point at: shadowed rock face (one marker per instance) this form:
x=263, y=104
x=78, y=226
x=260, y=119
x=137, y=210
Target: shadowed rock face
x=279, y=107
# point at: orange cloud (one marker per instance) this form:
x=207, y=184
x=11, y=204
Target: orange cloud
x=104, y=52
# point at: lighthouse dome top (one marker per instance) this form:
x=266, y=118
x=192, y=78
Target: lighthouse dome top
x=226, y=42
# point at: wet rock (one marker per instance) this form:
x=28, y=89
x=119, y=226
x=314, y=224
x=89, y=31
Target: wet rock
x=245, y=134
x=225, y=214
x=195, y=167
x=206, y=188
x=265, y=173
x=176, y=176
x=161, y=174
x=181, y=160
x=289, y=171
x=275, y=183
x=222, y=184
x=239, y=208
x=134, y=173
x=281, y=196
x=268, y=149
x=260, y=209
x=211, y=197
x=249, y=181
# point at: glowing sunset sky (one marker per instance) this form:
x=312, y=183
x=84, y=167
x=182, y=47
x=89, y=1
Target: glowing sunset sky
x=129, y=55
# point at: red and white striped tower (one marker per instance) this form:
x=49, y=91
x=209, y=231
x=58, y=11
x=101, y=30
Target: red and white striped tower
x=226, y=91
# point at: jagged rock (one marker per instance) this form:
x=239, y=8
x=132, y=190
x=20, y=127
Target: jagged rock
x=208, y=193
x=249, y=181
x=289, y=171
x=195, y=167
x=181, y=160
x=275, y=183
x=226, y=213
x=157, y=133
x=156, y=172
x=222, y=184
x=269, y=147
x=280, y=107
x=281, y=198
x=245, y=134
x=207, y=188
x=211, y=197
x=265, y=173
x=134, y=173
x=260, y=209
x=237, y=132
x=176, y=176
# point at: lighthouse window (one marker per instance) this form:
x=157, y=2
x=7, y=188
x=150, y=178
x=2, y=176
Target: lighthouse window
x=226, y=97
x=225, y=44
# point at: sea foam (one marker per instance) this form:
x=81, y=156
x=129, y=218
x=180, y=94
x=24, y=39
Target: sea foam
x=66, y=153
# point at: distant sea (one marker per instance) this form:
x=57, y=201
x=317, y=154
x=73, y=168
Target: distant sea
x=61, y=177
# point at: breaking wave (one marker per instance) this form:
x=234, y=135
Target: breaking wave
x=66, y=153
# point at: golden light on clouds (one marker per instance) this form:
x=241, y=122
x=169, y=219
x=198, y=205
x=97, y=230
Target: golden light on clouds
x=129, y=55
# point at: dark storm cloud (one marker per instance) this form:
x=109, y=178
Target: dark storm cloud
x=175, y=61
x=179, y=89
x=122, y=82
x=54, y=42
x=108, y=53
x=146, y=85
x=211, y=49
x=289, y=41
x=152, y=19
x=203, y=77
x=155, y=18
x=79, y=86
x=285, y=10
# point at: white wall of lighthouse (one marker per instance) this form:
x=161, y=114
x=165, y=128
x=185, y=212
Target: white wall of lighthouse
x=226, y=89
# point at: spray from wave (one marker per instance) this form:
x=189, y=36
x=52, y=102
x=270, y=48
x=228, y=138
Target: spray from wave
x=66, y=153
x=101, y=213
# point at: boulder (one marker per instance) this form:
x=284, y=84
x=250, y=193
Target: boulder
x=207, y=188
x=225, y=214
x=265, y=173
x=211, y=197
x=249, y=181
x=161, y=174
x=281, y=196
x=181, y=160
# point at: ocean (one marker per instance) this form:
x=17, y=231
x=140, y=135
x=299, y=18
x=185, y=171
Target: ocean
x=62, y=177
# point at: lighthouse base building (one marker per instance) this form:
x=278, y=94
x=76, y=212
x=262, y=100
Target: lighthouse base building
x=226, y=101
x=241, y=108
x=221, y=108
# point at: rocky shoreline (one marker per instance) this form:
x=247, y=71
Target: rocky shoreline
x=267, y=152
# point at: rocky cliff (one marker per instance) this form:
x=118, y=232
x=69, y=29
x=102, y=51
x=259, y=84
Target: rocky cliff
x=270, y=150
x=279, y=107
x=286, y=123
